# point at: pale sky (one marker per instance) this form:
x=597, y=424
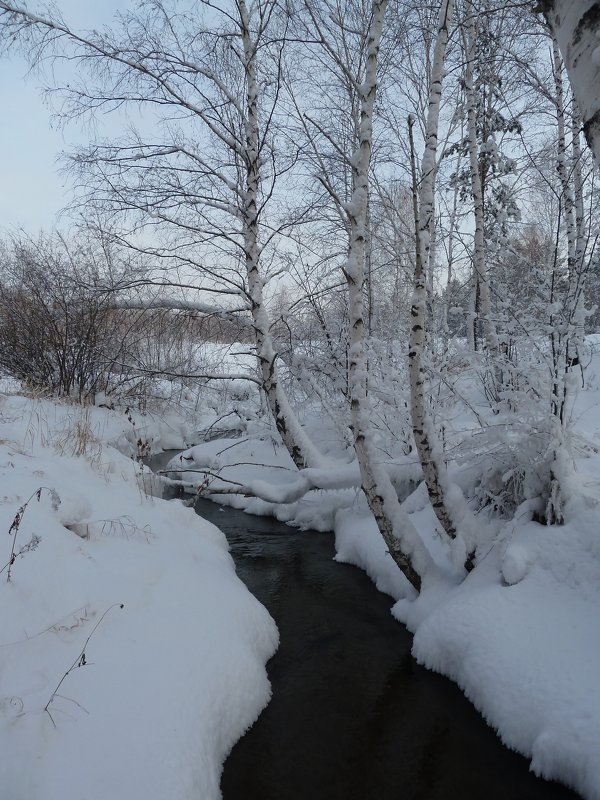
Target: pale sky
x=32, y=192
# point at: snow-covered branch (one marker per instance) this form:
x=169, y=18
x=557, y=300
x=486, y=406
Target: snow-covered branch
x=178, y=304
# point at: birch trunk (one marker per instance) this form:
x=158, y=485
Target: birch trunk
x=578, y=185
x=575, y=24
x=300, y=448
x=428, y=447
x=580, y=232
x=402, y=539
x=563, y=168
x=566, y=346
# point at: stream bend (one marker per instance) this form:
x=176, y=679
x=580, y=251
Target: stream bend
x=353, y=716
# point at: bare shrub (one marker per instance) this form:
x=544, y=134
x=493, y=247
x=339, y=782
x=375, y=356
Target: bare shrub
x=55, y=321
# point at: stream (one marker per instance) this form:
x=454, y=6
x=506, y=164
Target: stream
x=353, y=716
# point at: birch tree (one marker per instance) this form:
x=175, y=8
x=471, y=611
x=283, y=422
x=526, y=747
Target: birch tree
x=341, y=157
x=575, y=25
x=445, y=499
x=204, y=175
x=401, y=538
x=567, y=296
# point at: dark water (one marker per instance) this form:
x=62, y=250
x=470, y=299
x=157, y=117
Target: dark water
x=353, y=716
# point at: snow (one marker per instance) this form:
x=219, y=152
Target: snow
x=525, y=650
x=528, y=655
x=177, y=675
x=515, y=564
x=172, y=679
x=357, y=542
x=519, y=635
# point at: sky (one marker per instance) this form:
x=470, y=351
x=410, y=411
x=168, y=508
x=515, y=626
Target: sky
x=32, y=190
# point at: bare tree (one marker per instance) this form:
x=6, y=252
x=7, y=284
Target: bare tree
x=449, y=510
x=344, y=39
x=195, y=192
x=401, y=538
x=58, y=331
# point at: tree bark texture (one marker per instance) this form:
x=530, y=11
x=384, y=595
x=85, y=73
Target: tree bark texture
x=399, y=534
x=576, y=24
x=428, y=447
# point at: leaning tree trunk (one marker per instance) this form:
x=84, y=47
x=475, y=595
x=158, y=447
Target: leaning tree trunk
x=426, y=441
x=576, y=27
x=566, y=344
x=399, y=534
x=299, y=446
x=563, y=167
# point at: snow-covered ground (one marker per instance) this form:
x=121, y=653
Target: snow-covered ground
x=520, y=635
x=131, y=656
x=173, y=678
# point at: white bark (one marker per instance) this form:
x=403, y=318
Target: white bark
x=298, y=444
x=575, y=24
x=398, y=532
x=566, y=337
x=179, y=304
x=578, y=187
x=579, y=278
x=566, y=341
x=428, y=447
x=563, y=167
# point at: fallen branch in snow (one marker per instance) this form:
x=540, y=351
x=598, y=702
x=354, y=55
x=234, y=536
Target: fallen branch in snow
x=203, y=469
x=178, y=304
x=404, y=478
x=164, y=373
x=80, y=661
x=346, y=476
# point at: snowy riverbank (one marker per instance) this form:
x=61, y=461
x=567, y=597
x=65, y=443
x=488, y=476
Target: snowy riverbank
x=519, y=635
x=161, y=688
x=526, y=654
x=174, y=678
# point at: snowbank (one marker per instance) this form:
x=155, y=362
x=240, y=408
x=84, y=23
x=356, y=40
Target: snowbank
x=519, y=635
x=166, y=684
x=527, y=655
